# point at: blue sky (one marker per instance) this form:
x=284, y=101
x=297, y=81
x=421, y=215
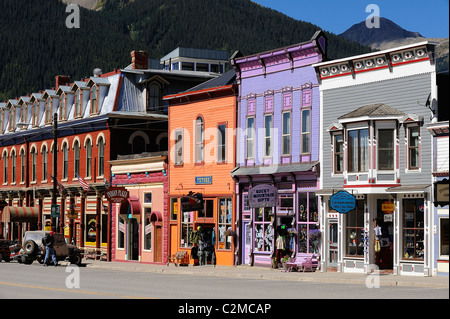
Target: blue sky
x=428, y=17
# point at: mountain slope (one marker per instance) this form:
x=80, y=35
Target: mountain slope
x=36, y=44
x=387, y=31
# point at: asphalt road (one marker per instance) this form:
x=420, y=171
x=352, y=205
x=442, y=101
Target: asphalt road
x=18, y=281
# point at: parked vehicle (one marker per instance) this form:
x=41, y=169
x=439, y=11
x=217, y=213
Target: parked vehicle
x=33, y=249
x=4, y=250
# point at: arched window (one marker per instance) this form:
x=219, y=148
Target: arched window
x=76, y=155
x=33, y=164
x=13, y=166
x=65, y=151
x=101, y=157
x=44, y=162
x=88, y=158
x=5, y=167
x=199, y=130
x=22, y=166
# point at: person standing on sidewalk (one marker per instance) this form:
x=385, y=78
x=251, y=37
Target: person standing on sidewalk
x=48, y=242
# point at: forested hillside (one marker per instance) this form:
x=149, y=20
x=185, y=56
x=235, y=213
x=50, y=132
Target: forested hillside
x=37, y=45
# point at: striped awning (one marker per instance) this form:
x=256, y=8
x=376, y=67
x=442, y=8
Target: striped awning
x=19, y=214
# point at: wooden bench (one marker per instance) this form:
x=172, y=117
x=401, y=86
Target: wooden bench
x=303, y=261
x=181, y=258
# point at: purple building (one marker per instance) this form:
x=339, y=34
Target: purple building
x=278, y=144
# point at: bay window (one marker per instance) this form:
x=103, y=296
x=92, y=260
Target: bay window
x=358, y=150
x=386, y=149
x=338, y=141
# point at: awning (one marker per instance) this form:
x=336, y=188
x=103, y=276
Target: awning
x=274, y=169
x=20, y=214
x=131, y=206
x=155, y=216
x=408, y=189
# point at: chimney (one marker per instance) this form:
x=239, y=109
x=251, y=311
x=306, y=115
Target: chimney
x=97, y=72
x=139, y=60
x=61, y=80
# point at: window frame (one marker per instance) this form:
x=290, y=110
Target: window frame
x=44, y=153
x=88, y=158
x=286, y=136
x=416, y=149
x=306, y=133
x=199, y=140
x=338, y=155
x=101, y=157
x=268, y=135
x=179, y=147
x=222, y=142
x=382, y=148
x=358, y=148
x=250, y=138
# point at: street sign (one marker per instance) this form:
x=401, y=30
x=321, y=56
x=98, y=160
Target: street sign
x=343, y=202
x=56, y=211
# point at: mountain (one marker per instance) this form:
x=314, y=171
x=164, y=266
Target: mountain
x=37, y=45
x=391, y=35
x=387, y=31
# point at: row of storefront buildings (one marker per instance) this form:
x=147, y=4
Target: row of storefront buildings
x=160, y=157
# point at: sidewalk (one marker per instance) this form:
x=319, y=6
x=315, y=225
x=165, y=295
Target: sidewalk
x=263, y=273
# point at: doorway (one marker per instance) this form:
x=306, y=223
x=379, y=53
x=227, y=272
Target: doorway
x=133, y=239
x=383, y=226
x=333, y=243
x=158, y=244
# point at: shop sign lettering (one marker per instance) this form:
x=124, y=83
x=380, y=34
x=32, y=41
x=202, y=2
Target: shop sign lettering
x=117, y=195
x=343, y=202
x=263, y=196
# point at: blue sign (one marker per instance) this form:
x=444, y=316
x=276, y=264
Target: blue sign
x=343, y=202
x=203, y=180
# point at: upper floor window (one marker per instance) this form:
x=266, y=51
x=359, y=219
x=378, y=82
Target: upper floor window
x=268, y=135
x=153, y=97
x=286, y=139
x=33, y=164
x=358, y=150
x=221, y=143
x=76, y=155
x=13, y=166
x=78, y=103
x=22, y=166
x=250, y=137
x=48, y=110
x=199, y=139
x=12, y=121
x=65, y=168
x=5, y=167
x=35, y=115
x=94, y=99
x=44, y=162
x=88, y=158
x=338, y=147
x=386, y=149
x=413, y=147
x=306, y=131
x=101, y=157
x=178, y=147
x=62, y=107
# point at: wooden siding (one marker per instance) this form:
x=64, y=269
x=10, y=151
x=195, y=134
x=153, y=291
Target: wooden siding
x=407, y=94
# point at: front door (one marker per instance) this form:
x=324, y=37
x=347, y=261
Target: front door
x=333, y=243
x=158, y=244
x=246, y=242
x=133, y=239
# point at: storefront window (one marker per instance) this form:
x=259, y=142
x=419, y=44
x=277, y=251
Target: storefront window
x=208, y=209
x=187, y=225
x=173, y=208
x=121, y=233
x=147, y=229
x=355, y=231
x=443, y=251
x=263, y=229
x=225, y=213
x=308, y=231
x=413, y=231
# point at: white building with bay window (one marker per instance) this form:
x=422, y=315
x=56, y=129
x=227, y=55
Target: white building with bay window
x=375, y=145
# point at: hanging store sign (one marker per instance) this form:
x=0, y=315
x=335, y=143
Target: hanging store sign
x=387, y=207
x=263, y=196
x=192, y=202
x=343, y=202
x=441, y=193
x=117, y=195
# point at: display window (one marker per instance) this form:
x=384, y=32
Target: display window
x=308, y=230
x=354, y=230
x=263, y=229
x=413, y=228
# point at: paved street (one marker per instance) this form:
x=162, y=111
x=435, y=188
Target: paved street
x=104, y=280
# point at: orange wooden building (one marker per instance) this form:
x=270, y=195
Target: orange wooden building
x=202, y=123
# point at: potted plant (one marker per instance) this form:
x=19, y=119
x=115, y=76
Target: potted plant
x=284, y=260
